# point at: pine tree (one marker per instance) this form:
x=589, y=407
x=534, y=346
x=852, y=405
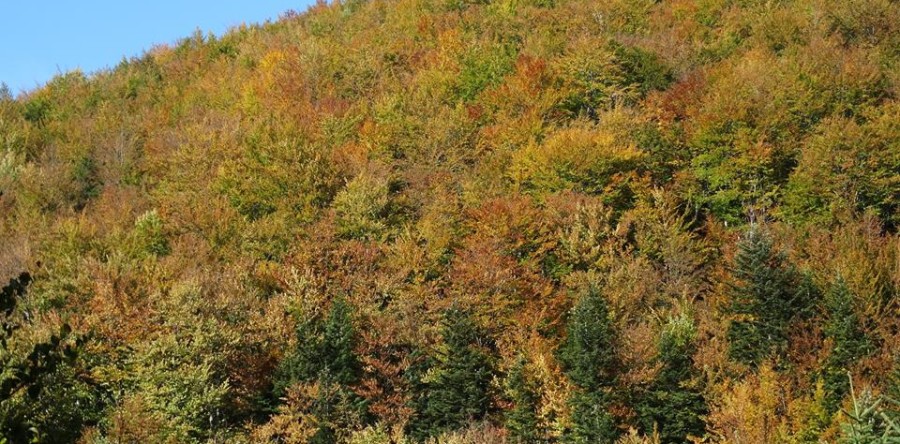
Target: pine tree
x=522, y=420
x=459, y=391
x=844, y=328
x=589, y=361
x=672, y=405
x=767, y=297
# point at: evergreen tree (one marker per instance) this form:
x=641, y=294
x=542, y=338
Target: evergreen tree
x=893, y=389
x=325, y=355
x=458, y=390
x=768, y=295
x=338, y=355
x=325, y=350
x=522, y=420
x=870, y=420
x=844, y=328
x=416, y=375
x=672, y=404
x=589, y=361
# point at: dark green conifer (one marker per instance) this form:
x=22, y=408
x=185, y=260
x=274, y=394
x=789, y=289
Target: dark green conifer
x=325, y=350
x=325, y=354
x=849, y=342
x=766, y=298
x=589, y=361
x=522, y=420
x=673, y=405
x=459, y=389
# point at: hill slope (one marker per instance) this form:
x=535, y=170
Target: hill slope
x=521, y=220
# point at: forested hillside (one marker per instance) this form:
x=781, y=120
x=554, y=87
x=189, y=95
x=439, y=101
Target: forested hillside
x=457, y=221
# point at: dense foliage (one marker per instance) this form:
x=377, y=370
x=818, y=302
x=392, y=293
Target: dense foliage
x=526, y=221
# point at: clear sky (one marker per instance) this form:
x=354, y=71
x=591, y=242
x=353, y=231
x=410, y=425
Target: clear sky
x=40, y=38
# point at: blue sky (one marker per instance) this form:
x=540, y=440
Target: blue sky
x=39, y=38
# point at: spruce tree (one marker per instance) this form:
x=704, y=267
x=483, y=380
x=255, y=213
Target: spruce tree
x=893, y=389
x=338, y=355
x=325, y=350
x=459, y=391
x=325, y=355
x=849, y=342
x=870, y=419
x=522, y=420
x=672, y=405
x=766, y=298
x=589, y=361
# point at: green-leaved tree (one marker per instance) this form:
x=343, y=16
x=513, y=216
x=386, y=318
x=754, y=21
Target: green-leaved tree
x=42, y=396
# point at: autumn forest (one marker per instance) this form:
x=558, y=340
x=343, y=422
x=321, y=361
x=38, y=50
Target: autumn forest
x=464, y=221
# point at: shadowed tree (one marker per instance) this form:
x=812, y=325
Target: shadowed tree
x=42, y=399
